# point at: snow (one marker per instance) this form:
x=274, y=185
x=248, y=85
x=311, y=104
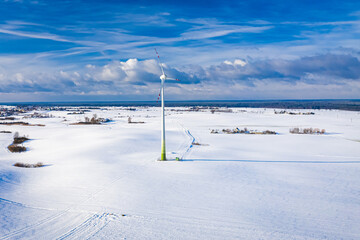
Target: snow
x=104, y=181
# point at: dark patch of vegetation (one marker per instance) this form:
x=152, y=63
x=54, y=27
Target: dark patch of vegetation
x=294, y=113
x=307, y=131
x=131, y=121
x=93, y=120
x=39, y=115
x=7, y=112
x=87, y=108
x=29, y=165
x=7, y=118
x=199, y=144
x=203, y=109
x=267, y=132
x=5, y=131
x=21, y=123
x=243, y=131
x=14, y=148
x=19, y=140
x=227, y=110
x=75, y=113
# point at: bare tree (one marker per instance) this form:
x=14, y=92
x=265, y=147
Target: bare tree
x=16, y=134
x=94, y=119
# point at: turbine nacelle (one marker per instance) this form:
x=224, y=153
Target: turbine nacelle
x=163, y=77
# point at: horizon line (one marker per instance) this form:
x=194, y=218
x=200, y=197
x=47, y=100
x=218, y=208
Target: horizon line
x=154, y=101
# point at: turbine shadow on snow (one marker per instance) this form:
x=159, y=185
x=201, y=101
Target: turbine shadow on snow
x=264, y=161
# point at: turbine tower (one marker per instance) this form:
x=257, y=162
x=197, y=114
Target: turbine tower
x=163, y=77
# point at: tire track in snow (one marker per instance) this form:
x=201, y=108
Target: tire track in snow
x=23, y=205
x=89, y=228
x=190, y=145
x=32, y=226
x=60, y=214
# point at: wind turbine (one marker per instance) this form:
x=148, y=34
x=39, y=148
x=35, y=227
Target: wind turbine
x=163, y=77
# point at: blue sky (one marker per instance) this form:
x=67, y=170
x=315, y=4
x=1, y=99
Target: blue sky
x=221, y=50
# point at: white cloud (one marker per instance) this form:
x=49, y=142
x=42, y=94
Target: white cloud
x=108, y=74
x=32, y=35
x=220, y=30
x=19, y=77
x=90, y=66
x=239, y=62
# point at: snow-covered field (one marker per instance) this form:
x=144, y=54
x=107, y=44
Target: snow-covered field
x=103, y=181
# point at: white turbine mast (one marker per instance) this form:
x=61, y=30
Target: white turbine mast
x=163, y=78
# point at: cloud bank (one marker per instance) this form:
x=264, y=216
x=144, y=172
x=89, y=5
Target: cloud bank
x=321, y=76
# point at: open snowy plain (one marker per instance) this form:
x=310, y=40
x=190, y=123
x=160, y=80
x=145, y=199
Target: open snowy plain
x=104, y=181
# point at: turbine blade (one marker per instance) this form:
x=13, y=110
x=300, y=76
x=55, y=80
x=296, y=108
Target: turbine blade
x=162, y=70
x=175, y=79
x=158, y=98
